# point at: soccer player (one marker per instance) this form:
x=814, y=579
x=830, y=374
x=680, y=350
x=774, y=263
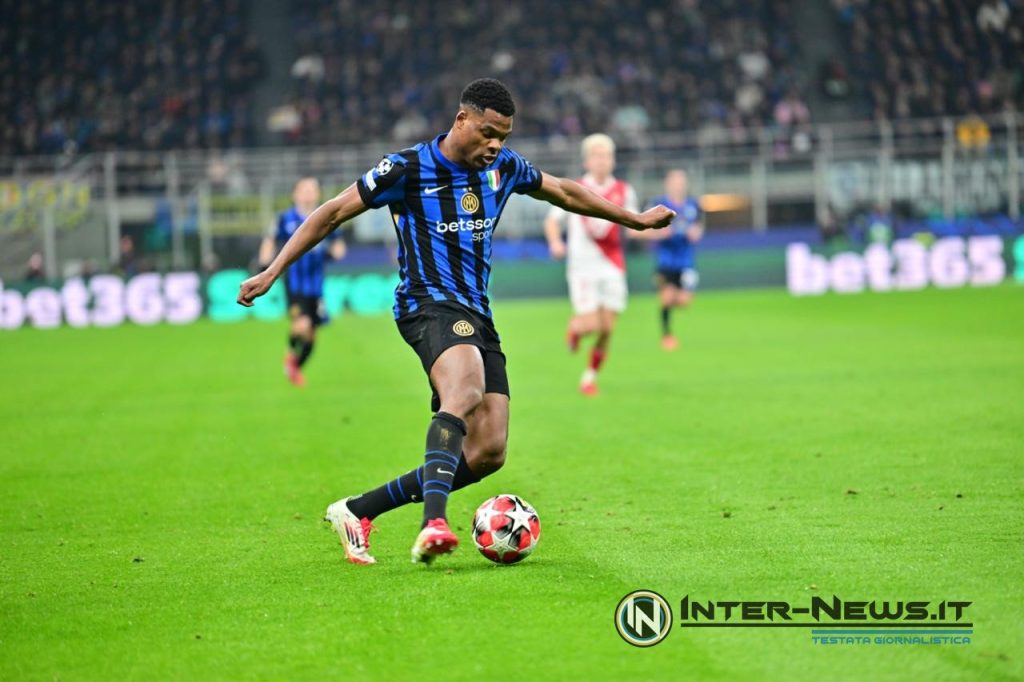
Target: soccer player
x=677, y=268
x=446, y=197
x=305, y=281
x=596, y=265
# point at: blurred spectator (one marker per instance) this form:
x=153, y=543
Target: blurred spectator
x=973, y=133
x=225, y=173
x=829, y=226
x=128, y=263
x=993, y=15
x=34, y=271
x=834, y=79
x=873, y=227
x=792, y=121
x=790, y=111
x=146, y=74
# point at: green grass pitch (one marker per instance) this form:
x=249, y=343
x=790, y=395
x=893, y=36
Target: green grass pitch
x=162, y=493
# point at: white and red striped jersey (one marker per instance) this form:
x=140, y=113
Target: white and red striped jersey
x=595, y=245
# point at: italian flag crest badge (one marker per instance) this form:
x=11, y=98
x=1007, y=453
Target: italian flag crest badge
x=493, y=179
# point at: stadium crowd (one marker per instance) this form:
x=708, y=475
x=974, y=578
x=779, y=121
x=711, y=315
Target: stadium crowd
x=371, y=70
x=156, y=74
x=930, y=58
x=146, y=74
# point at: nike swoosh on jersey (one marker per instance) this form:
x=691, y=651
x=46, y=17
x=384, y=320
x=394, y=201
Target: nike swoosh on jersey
x=431, y=190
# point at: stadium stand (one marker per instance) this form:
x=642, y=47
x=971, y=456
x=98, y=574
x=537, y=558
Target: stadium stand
x=148, y=74
x=916, y=59
x=368, y=70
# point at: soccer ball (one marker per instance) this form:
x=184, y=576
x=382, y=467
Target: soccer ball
x=505, y=529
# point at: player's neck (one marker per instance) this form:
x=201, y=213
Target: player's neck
x=449, y=151
x=600, y=182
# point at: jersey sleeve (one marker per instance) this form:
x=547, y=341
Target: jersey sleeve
x=384, y=183
x=527, y=178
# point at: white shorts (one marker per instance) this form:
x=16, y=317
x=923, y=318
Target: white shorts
x=589, y=291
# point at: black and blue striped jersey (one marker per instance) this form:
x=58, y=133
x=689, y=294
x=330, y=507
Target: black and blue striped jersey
x=306, y=275
x=676, y=253
x=444, y=216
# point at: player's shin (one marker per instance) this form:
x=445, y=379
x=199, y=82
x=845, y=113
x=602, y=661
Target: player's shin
x=444, y=440
x=305, y=350
x=405, y=489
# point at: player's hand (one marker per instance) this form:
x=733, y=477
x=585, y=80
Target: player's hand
x=557, y=249
x=254, y=287
x=654, y=218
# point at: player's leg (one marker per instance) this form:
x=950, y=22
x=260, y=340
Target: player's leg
x=484, y=447
x=689, y=281
x=681, y=296
x=487, y=441
x=612, y=301
x=606, y=325
x=308, y=340
x=584, y=320
x=668, y=292
x=300, y=345
x=582, y=325
x=313, y=316
x=459, y=378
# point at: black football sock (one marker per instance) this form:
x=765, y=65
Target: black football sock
x=294, y=344
x=305, y=350
x=665, y=312
x=405, y=489
x=444, y=439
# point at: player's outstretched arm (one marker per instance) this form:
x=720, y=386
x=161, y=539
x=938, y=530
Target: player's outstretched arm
x=553, y=233
x=267, y=247
x=318, y=225
x=575, y=198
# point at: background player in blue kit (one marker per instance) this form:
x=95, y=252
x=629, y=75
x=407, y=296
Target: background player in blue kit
x=304, y=283
x=675, y=251
x=445, y=197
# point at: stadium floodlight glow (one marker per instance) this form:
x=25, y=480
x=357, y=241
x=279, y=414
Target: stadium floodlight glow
x=720, y=203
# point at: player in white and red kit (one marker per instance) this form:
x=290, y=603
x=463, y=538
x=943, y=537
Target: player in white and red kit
x=595, y=261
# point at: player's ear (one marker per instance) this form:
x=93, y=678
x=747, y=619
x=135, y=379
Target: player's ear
x=461, y=118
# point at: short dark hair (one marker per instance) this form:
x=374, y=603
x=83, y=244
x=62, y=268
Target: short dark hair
x=488, y=93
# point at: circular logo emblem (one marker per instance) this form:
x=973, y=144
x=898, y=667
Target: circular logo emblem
x=463, y=328
x=470, y=202
x=385, y=166
x=643, y=618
